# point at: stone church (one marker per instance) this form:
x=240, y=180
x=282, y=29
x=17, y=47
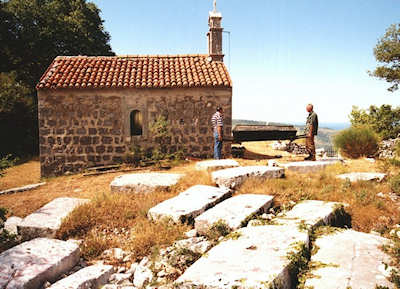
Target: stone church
x=92, y=110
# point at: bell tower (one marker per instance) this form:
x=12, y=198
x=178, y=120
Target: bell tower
x=214, y=35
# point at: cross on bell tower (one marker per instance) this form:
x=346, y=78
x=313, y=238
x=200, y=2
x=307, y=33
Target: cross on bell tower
x=215, y=34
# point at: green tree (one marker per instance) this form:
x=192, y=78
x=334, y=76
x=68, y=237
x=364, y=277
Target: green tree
x=32, y=34
x=383, y=120
x=387, y=52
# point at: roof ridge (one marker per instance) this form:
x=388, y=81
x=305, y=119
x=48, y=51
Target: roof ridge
x=61, y=57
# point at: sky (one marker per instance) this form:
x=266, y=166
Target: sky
x=281, y=54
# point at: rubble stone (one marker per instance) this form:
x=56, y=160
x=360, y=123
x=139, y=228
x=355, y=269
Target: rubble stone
x=308, y=166
x=355, y=177
x=11, y=224
x=22, y=189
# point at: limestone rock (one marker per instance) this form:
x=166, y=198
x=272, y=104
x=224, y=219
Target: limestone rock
x=47, y=220
x=308, y=166
x=11, y=224
x=233, y=211
x=144, y=183
x=240, y=261
x=90, y=277
x=188, y=204
x=198, y=245
x=355, y=177
x=352, y=260
x=30, y=264
x=216, y=164
x=232, y=178
x=142, y=276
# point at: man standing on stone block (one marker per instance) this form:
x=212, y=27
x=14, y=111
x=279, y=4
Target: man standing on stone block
x=217, y=121
x=311, y=131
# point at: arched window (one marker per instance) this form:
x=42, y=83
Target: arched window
x=136, y=122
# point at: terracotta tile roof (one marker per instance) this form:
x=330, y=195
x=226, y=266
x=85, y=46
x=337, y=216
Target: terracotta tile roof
x=135, y=71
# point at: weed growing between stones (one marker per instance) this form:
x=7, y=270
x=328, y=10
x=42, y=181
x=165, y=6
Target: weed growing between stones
x=7, y=239
x=218, y=229
x=298, y=261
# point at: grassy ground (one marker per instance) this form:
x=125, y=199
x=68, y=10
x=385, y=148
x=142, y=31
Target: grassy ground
x=119, y=220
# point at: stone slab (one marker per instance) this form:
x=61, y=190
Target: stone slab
x=144, y=183
x=30, y=264
x=349, y=259
x=189, y=204
x=255, y=258
x=233, y=211
x=308, y=166
x=90, y=277
x=355, y=177
x=47, y=220
x=11, y=224
x=312, y=213
x=21, y=189
x=216, y=164
x=232, y=178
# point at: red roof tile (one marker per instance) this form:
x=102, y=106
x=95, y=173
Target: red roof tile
x=152, y=71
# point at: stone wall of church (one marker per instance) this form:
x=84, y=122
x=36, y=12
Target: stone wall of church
x=85, y=128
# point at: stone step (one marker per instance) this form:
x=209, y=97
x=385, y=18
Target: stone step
x=233, y=212
x=90, y=277
x=189, y=204
x=251, y=257
x=22, y=189
x=308, y=166
x=47, y=220
x=30, y=264
x=232, y=178
x=349, y=259
x=240, y=260
x=355, y=177
x=216, y=164
x=311, y=213
x=144, y=183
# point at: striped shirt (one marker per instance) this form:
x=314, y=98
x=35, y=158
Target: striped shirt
x=217, y=120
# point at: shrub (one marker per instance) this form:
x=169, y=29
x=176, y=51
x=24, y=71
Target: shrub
x=7, y=240
x=356, y=142
x=6, y=162
x=395, y=184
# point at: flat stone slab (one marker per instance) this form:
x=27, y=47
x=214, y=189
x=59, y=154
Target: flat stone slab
x=21, y=189
x=308, y=166
x=233, y=212
x=355, y=177
x=349, y=259
x=254, y=257
x=216, y=164
x=30, y=264
x=312, y=213
x=90, y=277
x=189, y=204
x=144, y=183
x=47, y=220
x=234, y=177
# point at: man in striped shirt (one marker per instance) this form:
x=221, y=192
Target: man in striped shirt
x=217, y=121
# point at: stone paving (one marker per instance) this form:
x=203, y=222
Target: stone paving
x=232, y=178
x=22, y=189
x=233, y=212
x=47, y=220
x=216, y=164
x=144, y=183
x=189, y=204
x=30, y=264
x=355, y=177
x=349, y=259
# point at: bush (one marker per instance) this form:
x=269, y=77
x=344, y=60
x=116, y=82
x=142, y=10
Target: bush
x=6, y=162
x=356, y=142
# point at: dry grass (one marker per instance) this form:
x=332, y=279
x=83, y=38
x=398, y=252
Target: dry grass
x=21, y=175
x=368, y=211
